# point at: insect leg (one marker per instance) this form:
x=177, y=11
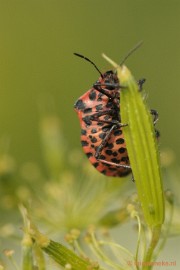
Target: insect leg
x=99, y=89
x=140, y=84
x=101, y=146
x=97, y=86
x=157, y=133
x=114, y=164
x=104, y=141
x=155, y=114
x=113, y=85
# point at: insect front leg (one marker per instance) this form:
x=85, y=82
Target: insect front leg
x=140, y=84
x=97, y=86
x=110, y=86
x=155, y=114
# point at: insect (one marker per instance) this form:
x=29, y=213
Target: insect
x=101, y=129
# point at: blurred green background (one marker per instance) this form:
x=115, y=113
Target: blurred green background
x=38, y=70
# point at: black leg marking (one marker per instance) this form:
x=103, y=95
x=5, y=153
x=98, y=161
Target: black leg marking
x=140, y=84
x=157, y=133
x=112, y=85
x=104, y=141
x=97, y=86
x=155, y=114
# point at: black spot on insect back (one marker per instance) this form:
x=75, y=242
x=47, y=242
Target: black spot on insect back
x=87, y=110
x=115, y=160
x=124, y=159
x=109, y=152
x=120, y=141
x=89, y=154
x=102, y=135
x=84, y=143
x=93, y=139
x=93, y=130
x=79, y=105
x=92, y=95
x=99, y=107
x=109, y=145
x=83, y=132
x=102, y=157
x=117, y=132
x=122, y=150
x=87, y=120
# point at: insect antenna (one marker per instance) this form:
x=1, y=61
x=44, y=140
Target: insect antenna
x=87, y=59
x=131, y=52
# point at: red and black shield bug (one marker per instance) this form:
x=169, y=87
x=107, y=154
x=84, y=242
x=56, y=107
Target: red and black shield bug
x=101, y=128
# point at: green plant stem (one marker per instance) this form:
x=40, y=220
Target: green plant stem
x=156, y=231
x=64, y=256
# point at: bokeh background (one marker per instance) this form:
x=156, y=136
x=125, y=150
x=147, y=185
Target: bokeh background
x=40, y=75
